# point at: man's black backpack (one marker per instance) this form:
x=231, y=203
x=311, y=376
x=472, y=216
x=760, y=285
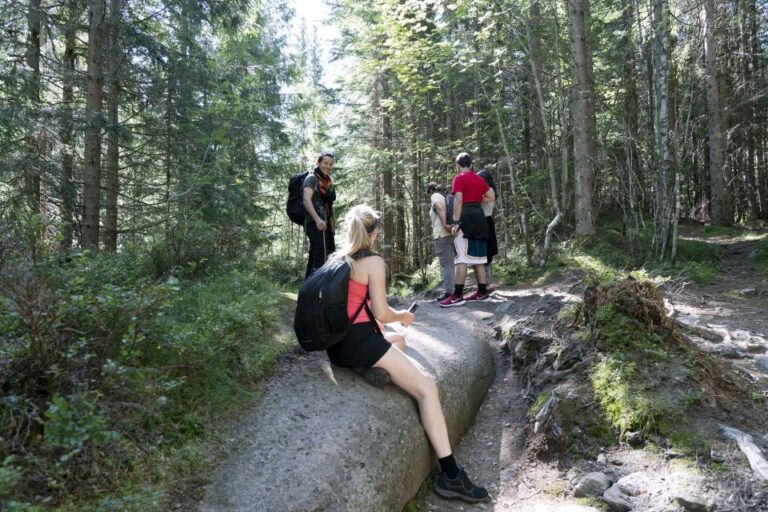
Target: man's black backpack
x=321, y=318
x=295, y=205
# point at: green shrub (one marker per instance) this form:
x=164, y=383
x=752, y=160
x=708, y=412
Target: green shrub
x=101, y=364
x=71, y=423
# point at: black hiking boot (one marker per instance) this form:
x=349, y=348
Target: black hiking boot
x=460, y=487
x=377, y=377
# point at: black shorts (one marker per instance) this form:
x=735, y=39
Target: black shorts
x=363, y=347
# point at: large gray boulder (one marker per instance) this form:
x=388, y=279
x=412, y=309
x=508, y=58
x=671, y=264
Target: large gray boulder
x=322, y=439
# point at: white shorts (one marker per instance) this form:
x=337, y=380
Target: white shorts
x=470, y=251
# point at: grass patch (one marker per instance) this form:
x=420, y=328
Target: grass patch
x=426, y=278
x=594, y=502
x=724, y=231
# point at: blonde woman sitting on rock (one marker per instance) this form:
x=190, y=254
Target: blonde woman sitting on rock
x=366, y=346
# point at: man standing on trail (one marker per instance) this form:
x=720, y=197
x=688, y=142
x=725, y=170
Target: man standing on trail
x=441, y=235
x=318, y=196
x=471, y=230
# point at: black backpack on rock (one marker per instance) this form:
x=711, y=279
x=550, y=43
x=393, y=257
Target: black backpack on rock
x=295, y=205
x=321, y=319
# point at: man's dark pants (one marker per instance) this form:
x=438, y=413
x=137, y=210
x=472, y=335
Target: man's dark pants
x=318, y=252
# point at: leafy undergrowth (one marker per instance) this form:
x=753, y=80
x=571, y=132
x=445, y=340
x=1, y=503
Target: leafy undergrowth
x=612, y=255
x=114, y=384
x=619, y=370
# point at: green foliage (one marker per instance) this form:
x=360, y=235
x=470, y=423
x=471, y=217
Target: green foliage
x=10, y=475
x=405, y=285
x=70, y=423
x=724, y=231
x=105, y=364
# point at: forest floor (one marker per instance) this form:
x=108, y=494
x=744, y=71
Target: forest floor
x=500, y=450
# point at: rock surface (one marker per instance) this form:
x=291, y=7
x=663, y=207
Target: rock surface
x=616, y=500
x=322, y=439
x=692, y=502
x=592, y=484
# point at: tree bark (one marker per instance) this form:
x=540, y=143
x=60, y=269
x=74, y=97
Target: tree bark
x=716, y=170
x=541, y=127
x=34, y=143
x=584, y=123
x=748, y=110
x=664, y=206
x=631, y=110
x=112, y=182
x=67, y=187
x=93, y=105
x=388, y=181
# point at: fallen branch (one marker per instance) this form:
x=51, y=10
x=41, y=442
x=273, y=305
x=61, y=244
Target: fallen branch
x=756, y=460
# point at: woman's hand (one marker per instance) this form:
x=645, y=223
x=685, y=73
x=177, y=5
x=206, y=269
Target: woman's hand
x=406, y=317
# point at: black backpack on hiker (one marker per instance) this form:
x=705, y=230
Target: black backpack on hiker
x=295, y=205
x=321, y=319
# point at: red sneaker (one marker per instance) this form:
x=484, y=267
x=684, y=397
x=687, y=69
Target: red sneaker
x=478, y=297
x=452, y=301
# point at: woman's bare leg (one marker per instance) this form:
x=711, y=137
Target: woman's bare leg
x=421, y=387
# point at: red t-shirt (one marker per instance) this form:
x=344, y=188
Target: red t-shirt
x=471, y=186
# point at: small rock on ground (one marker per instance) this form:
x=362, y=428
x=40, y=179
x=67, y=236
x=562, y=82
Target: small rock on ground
x=614, y=498
x=592, y=484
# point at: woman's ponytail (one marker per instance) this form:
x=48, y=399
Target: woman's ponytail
x=359, y=222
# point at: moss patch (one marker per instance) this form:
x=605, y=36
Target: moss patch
x=646, y=377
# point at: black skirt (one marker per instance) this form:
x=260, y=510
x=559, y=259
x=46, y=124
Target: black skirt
x=473, y=223
x=493, y=245
x=363, y=347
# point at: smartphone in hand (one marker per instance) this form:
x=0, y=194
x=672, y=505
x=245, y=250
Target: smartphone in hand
x=413, y=307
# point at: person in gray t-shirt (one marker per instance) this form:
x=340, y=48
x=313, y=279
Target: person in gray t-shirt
x=319, y=194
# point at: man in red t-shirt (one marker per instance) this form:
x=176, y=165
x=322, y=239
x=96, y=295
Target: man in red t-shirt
x=471, y=230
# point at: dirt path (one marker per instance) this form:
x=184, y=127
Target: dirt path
x=492, y=450
x=735, y=306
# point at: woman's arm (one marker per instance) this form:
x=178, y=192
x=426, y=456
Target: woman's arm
x=377, y=288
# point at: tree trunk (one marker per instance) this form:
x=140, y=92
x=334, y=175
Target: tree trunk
x=664, y=206
x=748, y=110
x=112, y=183
x=716, y=171
x=631, y=110
x=388, y=182
x=400, y=248
x=541, y=127
x=563, y=111
x=92, y=152
x=34, y=142
x=584, y=123
x=68, y=97
x=167, y=159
